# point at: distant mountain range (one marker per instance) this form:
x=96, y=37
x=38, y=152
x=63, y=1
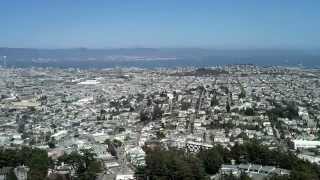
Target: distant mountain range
x=156, y=57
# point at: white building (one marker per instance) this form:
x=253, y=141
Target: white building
x=124, y=177
x=192, y=146
x=305, y=144
x=21, y=172
x=312, y=159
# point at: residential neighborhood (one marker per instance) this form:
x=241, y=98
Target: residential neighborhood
x=119, y=113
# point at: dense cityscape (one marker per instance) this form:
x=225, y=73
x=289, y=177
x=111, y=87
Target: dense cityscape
x=159, y=90
x=223, y=122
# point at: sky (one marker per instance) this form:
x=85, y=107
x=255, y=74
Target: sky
x=160, y=23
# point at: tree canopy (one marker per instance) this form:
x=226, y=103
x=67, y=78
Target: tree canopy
x=84, y=163
x=169, y=164
x=36, y=159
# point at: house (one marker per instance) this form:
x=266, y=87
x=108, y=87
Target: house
x=125, y=177
x=192, y=146
x=253, y=170
x=305, y=144
x=4, y=172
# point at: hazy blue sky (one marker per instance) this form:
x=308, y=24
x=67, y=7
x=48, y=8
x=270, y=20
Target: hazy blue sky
x=160, y=23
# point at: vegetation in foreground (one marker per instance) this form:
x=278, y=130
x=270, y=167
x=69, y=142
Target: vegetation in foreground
x=179, y=165
x=84, y=163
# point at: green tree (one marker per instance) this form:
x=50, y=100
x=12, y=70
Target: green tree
x=52, y=143
x=157, y=112
x=228, y=107
x=85, y=164
x=171, y=164
x=214, y=101
x=11, y=175
x=211, y=159
x=277, y=177
x=144, y=116
x=38, y=163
